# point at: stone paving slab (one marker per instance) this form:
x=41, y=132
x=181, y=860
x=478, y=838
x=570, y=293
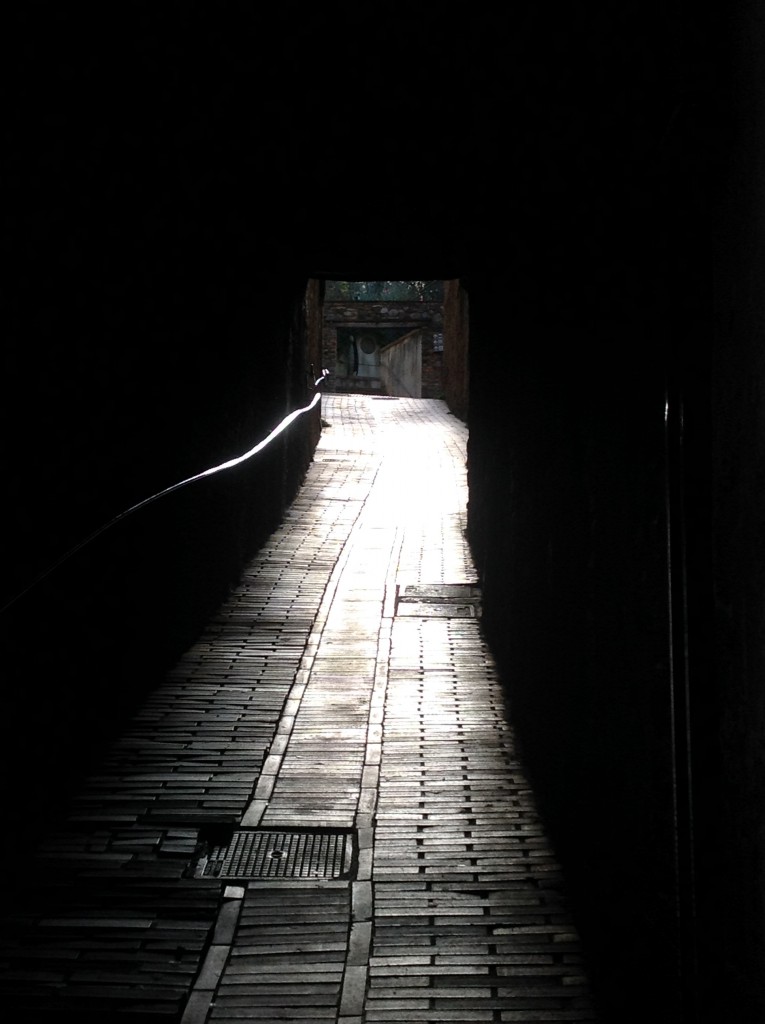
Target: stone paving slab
x=344, y=687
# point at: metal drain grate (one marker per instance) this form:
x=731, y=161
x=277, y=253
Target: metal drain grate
x=280, y=854
x=440, y=600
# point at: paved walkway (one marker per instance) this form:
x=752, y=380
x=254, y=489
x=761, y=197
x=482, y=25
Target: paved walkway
x=320, y=815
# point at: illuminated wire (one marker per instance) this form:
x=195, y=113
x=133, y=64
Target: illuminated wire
x=174, y=487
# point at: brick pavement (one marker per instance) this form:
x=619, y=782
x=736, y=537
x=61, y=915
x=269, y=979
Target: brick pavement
x=320, y=815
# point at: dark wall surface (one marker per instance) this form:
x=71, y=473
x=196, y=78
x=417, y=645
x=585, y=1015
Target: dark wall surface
x=456, y=368
x=589, y=511
x=151, y=332
x=737, y=932
x=567, y=519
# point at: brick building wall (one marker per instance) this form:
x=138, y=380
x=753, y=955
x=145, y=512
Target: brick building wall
x=456, y=370
x=386, y=321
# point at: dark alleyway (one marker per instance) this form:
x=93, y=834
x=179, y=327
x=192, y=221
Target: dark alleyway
x=182, y=185
x=320, y=814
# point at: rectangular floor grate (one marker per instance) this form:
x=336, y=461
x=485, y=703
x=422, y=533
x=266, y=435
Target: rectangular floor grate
x=279, y=855
x=440, y=600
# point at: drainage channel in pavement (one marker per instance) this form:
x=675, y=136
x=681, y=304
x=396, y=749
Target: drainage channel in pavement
x=439, y=600
x=278, y=854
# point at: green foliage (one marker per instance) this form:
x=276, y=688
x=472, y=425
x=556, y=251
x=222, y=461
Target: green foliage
x=384, y=291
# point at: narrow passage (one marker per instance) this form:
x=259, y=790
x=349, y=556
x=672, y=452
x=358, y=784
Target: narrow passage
x=320, y=815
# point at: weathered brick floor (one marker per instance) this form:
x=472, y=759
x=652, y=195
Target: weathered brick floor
x=320, y=815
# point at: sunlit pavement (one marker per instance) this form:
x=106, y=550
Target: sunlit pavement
x=320, y=816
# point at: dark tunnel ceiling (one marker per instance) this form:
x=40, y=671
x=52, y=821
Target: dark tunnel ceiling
x=347, y=143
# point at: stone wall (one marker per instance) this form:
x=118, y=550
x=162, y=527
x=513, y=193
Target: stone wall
x=589, y=517
x=432, y=365
x=566, y=521
x=733, y=711
x=395, y=319
x=456, y=363
x=401, y=366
